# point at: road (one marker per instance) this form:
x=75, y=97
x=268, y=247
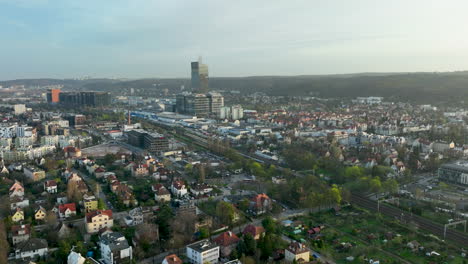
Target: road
x=102, y=195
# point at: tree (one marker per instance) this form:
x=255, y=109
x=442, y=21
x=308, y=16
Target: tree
x=204, y=232
x=225, y=212
x=164, y=218
x=270, y=225
x=4, y=245
x=390, y=186
x=201, y=173
x=73, y=193
x=354, y=172
x=375, y=185
x=266, y=246
x=101, y=204
x=244, y=204
x=147, y=232
x=184, y=226
x=335, y=194
x=250, y=245
x=188, y=168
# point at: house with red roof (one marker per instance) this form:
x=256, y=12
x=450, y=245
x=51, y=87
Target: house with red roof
x=227, y=242
x=50, y=186
x=20, y=233
x=260, y=204
x=172, y=259
x=140, y=170
x=67, y=210
x=161, y=194
x=178, y=188
x=16, y=190
x=98, y=220
x=255, y=231
x=72, y=152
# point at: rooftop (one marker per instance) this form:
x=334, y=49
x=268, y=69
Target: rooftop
x=203, y=245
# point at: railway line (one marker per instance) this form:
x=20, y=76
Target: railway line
x=406, y=217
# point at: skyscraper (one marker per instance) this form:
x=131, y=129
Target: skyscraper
x=199, y=77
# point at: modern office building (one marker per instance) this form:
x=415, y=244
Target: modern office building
x=153, y=142
x=199, y=104
x=136, y=138
x=199, y=76
x=85, y=99
x=53, y=95
x=216, y=101
x=454, y=173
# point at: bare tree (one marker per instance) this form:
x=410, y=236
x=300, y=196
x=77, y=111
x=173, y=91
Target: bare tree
x=4, y=246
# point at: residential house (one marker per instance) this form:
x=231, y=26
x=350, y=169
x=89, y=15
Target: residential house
x=135, y=217
x=40, y=213
x=260, y=204
x=125, y=194
x=63, y=230
x=115, y=248
x=255, y=231
x=67, y=210
x=227, y=242
x=99, y=172
x=72, y=152
x=90, y=203
x=75, y=258
x=50, y=186
x=203, y=252
x=172, y=259
x=32, y=248
x=16, y=190
x=178, y=188
x=297, y=252
x=200, y=189
x=141, y=170
x=17, y=201
x=161, y=194
x=20, y=233
x=18, y=215
x=98, y=220
x=34, y=173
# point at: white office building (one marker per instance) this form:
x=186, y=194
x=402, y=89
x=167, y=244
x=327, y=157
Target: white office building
x=202, y=252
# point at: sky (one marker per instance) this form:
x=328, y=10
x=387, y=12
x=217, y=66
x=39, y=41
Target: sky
x=158, y=39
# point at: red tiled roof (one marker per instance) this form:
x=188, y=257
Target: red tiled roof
x=70, y=149
x=173, y=259
x=16, y=186
x=16, y=228
x=64, y=207
x=226, y=239
x=178, y=184
x=50, y=183
x=253, y=230
x=89, y=216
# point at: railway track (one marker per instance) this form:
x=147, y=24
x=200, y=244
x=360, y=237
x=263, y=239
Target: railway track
x=406, y=217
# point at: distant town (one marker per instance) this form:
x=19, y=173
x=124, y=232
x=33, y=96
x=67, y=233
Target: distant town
x=194, y=173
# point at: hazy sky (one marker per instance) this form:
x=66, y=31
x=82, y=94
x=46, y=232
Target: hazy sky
x=145, y=38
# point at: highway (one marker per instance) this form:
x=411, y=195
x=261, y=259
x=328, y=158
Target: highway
x=406, y=217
